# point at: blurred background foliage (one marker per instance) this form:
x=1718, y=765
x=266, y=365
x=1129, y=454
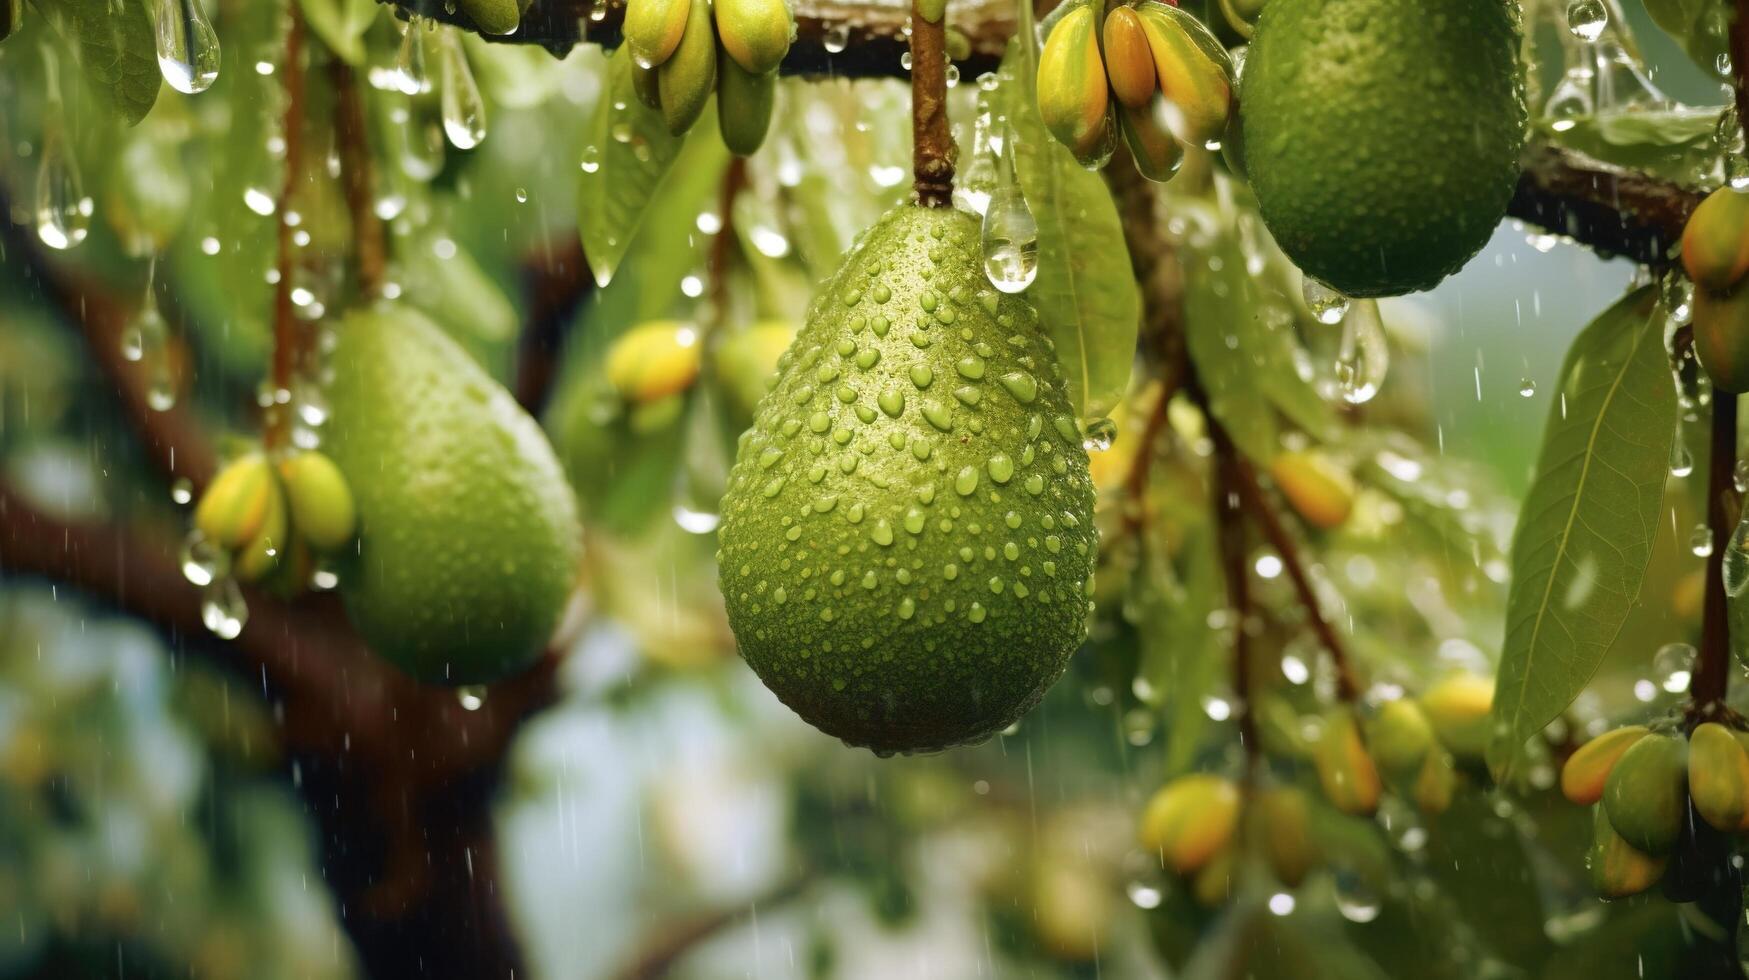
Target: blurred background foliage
x=149, y=820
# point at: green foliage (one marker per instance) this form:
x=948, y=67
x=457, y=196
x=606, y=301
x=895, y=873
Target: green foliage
x=115, y=44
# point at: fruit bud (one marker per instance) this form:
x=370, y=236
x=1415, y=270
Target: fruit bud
x=653, y=360
x=1399, y=736
x=646, y=87
x=1435, y=783
x=1345, y=770
x=257, y=558
x=1583, y=776
x=744, y=102
x=1458, y=708
x=1618, y=869
x=1189, y=820
x=1194, y=70
x=1156, y=154
x=1646, y=794
x=322, y=509
x=1721, y=336
x=1718, y=777
x=653, y=29
x=1072, y=93
x=1214, y=883
x=1318, y=488
x=1128, y=61
x=235, y=506
x=1715, y=242
x=1283, y=826
x=497, y=17
x=756, y=33
x=687, y=78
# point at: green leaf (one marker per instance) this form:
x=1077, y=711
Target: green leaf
x=341, y=24
x=1086, y=293
x=1181, y=657
x=1585, y=533
x=1702, y=27
x=116, y=49
x=1676, y=144
x=634, y=151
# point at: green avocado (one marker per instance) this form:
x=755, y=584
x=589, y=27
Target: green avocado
x=1382, y=137
x=907, y=545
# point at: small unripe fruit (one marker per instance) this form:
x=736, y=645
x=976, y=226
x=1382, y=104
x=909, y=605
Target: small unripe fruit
x=1718, y=777
x=1587, y=769
x=1435, y=783
x=1190, y=820
x=687, y=78
x=756, y=33
x=1128, y=61
x=1715, y=242
x=646, y=86
x=1282, y=821
x=1194, y=71
x=1214, y=883
x=1318, y=488
x=1399, y=736
x=653, y=360
x=744, y=103
x=1721, y=336
x=1646, y=795
x=498, y=17
x=1073, y=97
x=1346, y=771
x=322, y=509
x=236, y=505
x=255, y=560
x=1458, y=708
x=1156, y=153
x=653, y=29
x=1618, y=869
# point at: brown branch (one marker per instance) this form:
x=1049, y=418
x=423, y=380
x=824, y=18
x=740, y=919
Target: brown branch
x=357, y=179
x=662, y=952
x=932, y=148
x=723, y=245
x=1608, y=209
x=555, y=284
x=1230, y=525
x=1263, y=509
x=1739, y=44
x=287, y=332
x=1712, y=673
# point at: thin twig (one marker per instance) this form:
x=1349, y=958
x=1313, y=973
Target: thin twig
x=357, y=179
x=723, y=245
x=662, y=952
x=287, y=332
x=932, y=148
x=1712, y=673
x=1230, y=523
x=1135, y=484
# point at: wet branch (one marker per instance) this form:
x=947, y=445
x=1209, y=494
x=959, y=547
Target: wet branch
x=1712, y=672
x=932, y=148
x=1612, y=211
x=370, y=249
x=664, y=950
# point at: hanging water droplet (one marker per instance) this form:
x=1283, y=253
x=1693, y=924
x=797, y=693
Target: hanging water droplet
x=1010, y=241
x=591, y=158
x=202, y=561
x=188, y=48
x=704, y=472
x=1526, y=388
x=422, y=141
x=1326, y=304
x=905, y=60
x=222, y=608
x=1363, y=358
x=182, y=491
x=410, y=76
x=63, y=212
x=1357, y=900
x=1100, y=435
x=472, y=697
x=1673, y=667
x=1586, y=19
x=464, y=112
x=1700, y=541
x=1681, y=460
x=836, y=38
x=1570, y=99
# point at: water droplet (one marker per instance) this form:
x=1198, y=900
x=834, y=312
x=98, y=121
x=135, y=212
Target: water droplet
x=1570, y=100
x=1740, y=476
x=472, y=697
x=1526, y=388
x=704, y=471
x=1681, y=460
x=836, y=38
x=1700, y=541
x=1100, y=435
x=1736, y=560
x=201, y=560
x=410, y=76
x=1586, y=19
x=1010, y=241
x=591, y=158
x=1326, y=304
x=222, y=608
x=188, y=48
x=63, y=212
x=1357, y=900
x=1363, y=358
x=1673, y=667
x=464, y=112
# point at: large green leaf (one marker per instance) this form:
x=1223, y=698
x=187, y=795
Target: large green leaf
x=1677, y=144
x=631, y=151
x=1085, y=292
x=341, y=24
x=1585, y=533
x=116, y=49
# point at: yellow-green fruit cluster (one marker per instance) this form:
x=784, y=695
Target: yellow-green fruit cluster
x=1643, y=783
x=1190, y=825
x=267, y=517
x=684, y=50
x=1151, y=72
x=1715, y=252
x=1411, y=744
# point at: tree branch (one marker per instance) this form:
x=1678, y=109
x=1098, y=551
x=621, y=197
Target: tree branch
x=1612, y=211
x=357, y=179
x=1712, y=674
x=932, y=149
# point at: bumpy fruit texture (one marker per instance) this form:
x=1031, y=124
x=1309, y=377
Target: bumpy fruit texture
x=1072, y=95
x=653, y=360
x=1194, y=71
x=1382, y=136
x=1399, y=736
x=1618, y=869
x=1721, y=336
x=756, y=33
x=1156, y=154
x=907, y=544
x=1128, y=61
x=493, y=16
x=1435, y=783
x=744, y=102
x=468, y=534
x=1283, y=825
x=1458, y=708
x=1318, y=488
x=1715, y=242
x=1646, y=794
x=1345, y=769
x=686, y=79
x=1583, y=777
x=653, y=28
x=236, y=505
x=1190, y=820
x=323, y=512
x=1718, y=777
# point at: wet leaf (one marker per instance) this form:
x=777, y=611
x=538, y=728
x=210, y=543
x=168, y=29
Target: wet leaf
x=1585, y=533
x=1677, y=144
x=116, y=49
x=632, y=151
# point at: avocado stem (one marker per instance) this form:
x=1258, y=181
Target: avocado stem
x=932, y=147
x=286, y=329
